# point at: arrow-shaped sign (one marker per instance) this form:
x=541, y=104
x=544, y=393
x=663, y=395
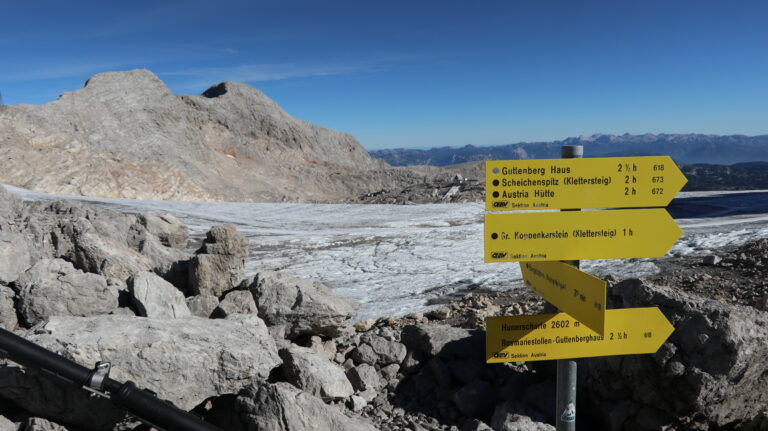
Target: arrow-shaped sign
x=577, y=293
x=612, y=182
x=572, y=235
x=628, y=331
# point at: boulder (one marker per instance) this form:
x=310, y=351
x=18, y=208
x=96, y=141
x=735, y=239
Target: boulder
x=375, y=349
x=282, y=407
x=101, y=254
x=298, y=305
x=326, y=349
x=14, y=256
x=710, y=373
x=213, y=274
x=314, y=374
x=10, y=205
x=202, y=305
x=364, y=377
x=445, y=341
x=6, y=424
x=170, y=263
x=219, y=263
x=166, y=228
x=185, y=361
x=364, y=354
x=8, y=318
x=97, y=240
x=224, y=240
x=156, y=298
x=356, y=403
x=53, y=287
x=505, y=419
x=237, y=301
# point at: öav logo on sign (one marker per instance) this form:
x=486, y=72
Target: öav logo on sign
x=569, y=414
x=498, y=255
x=501, y=204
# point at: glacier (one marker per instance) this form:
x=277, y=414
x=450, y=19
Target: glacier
x=397, y=259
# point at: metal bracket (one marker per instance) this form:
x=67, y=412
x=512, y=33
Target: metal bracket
x=95, y=382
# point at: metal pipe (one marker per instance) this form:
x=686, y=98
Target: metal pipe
x=140, y=403
x=565, y=410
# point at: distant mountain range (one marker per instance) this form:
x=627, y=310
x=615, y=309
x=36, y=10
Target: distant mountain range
x=683, y=148
x=740, y=176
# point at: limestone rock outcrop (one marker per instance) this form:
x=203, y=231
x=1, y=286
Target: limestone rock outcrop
x=218, y=265
x=156, y=298
x=299, y=306
x=710, y=373
x=282, y=407
x=53, y=287
x=125, y=134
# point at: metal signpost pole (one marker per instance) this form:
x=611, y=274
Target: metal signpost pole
x=565, y=419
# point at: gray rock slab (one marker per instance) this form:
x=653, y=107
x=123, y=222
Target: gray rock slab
x=364, y=377
x=236, y=302
x=53, y=287
x=505, y=419
x=8, y=425
x=10, y=205
x=711, y=372
x=202, y=305
x=316, y=375
x=170, y=263
x=445, y=341
x=14, y=256
x=214, y=274
x=282, y=407
x=96, y=240
x=301, y=306
x=224, y=240
x=8, y=317
x=379, y=350
x=156, y=298
x=166, y=228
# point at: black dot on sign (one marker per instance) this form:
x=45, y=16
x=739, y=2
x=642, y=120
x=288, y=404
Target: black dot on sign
x=495, y=194
x=495, y=182
x=494, y=235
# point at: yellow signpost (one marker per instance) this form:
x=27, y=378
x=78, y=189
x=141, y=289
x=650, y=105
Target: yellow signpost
x=542, y=236
x=538, y=240
x=577, y=293
x=628, y=331
x=611, y=182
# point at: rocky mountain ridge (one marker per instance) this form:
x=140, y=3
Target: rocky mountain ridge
x=683, y=148
x=125, y=134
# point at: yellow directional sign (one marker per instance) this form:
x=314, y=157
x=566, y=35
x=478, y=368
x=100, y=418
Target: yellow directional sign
x=628, y=331
x=570, y=235
x=577, y=293
x=611, y=182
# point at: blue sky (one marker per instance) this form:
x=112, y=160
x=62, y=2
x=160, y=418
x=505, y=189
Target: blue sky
x=421, y=74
